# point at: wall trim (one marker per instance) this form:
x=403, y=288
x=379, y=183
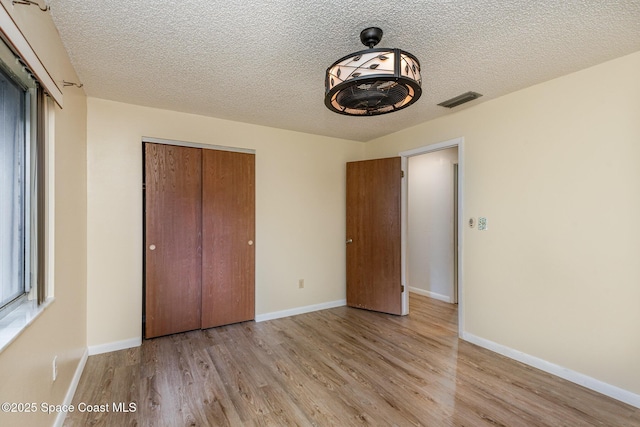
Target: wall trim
x=114, y=346
x=71, y=391
x=559, y=371
x=430, y=294
x=300, y=310
x=137, y=342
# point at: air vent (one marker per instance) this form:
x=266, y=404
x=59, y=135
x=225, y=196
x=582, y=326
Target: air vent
x=460, y=99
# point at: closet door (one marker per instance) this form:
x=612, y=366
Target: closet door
x=173, y=221
x=228, y=225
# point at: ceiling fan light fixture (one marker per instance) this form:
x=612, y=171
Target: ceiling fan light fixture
x=373, y=81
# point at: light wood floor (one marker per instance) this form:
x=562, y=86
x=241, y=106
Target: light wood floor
x=337, y=367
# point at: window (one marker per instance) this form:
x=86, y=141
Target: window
x=19, y=183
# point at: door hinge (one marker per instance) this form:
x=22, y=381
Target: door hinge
x=402, y=174
x=402, y=289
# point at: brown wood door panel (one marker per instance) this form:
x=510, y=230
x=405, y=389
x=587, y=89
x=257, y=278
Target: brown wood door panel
x=173, y=219
x=373, y=228
x=228, y=259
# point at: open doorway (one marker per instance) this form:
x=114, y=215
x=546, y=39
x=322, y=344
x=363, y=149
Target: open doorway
x=431, y=226
x=432, y=211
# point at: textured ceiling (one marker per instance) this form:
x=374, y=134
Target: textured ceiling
x=263, y=61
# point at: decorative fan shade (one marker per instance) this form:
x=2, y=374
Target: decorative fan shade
x=373, y=81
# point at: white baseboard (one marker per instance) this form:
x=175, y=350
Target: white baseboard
x=559, y=371
x=71, y=391
x=136, y=342
x=430, y=294
x=114, y=346
x=300, y=310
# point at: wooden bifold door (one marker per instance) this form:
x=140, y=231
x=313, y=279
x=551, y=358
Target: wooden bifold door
x=199, y=238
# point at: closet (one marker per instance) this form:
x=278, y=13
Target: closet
x=199, y=253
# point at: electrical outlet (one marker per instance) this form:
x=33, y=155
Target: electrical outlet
x=55, y=367
x=301, y=283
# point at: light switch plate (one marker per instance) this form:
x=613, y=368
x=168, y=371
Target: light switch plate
x=482, y=224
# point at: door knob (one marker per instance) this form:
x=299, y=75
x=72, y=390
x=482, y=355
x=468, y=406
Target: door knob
x=250, y=242
x=152, y=247
x=349, y=241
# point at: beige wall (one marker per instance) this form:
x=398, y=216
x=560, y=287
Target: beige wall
x=25, y=366
x=555, y=169
x=300, y=205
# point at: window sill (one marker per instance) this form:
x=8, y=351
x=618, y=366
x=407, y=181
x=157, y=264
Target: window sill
x=14, y=323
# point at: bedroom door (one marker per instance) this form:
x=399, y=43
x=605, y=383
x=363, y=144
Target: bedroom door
x=374, y=280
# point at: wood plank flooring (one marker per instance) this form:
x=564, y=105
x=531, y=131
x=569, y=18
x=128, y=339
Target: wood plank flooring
x=337, y=367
